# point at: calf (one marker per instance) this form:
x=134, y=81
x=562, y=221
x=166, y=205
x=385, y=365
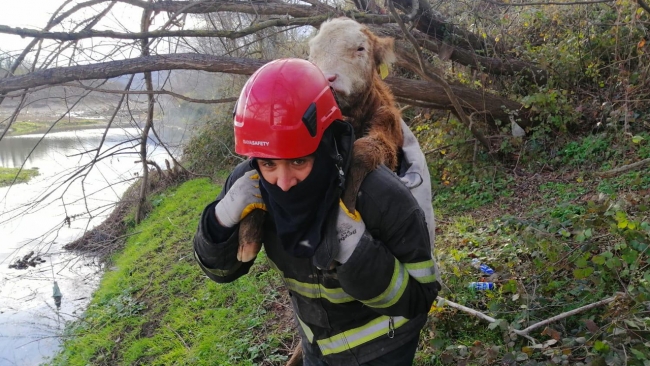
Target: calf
x=354, y=60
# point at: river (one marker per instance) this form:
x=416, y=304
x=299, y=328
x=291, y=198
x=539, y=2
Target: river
x=32, y=219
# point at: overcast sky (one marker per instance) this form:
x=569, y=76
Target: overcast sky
x=24, y=13
x=35, y=14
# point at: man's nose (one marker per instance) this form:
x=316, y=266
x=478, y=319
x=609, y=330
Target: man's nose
x=285, y=179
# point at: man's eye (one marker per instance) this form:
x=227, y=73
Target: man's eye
x=298, y=161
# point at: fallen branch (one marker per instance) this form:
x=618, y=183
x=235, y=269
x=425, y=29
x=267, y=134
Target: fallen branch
x=567, y=314
x=435, y=76
x=524, y=332
x=465, y=309
x=624, y=168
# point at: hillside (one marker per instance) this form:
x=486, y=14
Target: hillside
x=557, y=235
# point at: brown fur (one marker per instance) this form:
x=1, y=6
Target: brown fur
x=375, y=117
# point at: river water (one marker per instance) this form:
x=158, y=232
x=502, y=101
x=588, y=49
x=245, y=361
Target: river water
x=32, y=219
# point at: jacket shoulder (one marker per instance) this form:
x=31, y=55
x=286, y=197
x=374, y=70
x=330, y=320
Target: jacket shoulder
x=382, y=182
x=383, y=192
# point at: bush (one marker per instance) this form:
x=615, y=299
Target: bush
x=210, y=151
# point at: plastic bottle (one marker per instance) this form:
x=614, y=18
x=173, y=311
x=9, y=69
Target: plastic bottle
x=483, y=267
x=481, y=286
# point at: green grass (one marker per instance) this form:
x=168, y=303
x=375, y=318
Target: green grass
x=7, y=175
x=632, y=181
x=27, y=127
x=468, y=194
x=156, y=307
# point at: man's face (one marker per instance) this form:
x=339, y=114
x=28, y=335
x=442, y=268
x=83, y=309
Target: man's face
x=286, y=173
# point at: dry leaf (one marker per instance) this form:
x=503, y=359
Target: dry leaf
x=552, y=333
x=593, y=328
x=550, y=342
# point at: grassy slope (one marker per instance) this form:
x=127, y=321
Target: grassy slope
x=7, y=175
x=155, y=306
x=558, y=236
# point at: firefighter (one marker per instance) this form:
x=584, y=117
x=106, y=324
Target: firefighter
x=361, y=283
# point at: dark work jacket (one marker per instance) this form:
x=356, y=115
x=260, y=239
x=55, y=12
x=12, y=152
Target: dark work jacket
x=355, y=312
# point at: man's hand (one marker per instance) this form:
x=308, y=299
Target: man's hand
x=350, y=228
x=242, y=198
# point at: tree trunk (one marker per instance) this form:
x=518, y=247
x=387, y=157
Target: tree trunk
x=144, y=181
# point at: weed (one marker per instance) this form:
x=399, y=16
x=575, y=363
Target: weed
x=591, y=150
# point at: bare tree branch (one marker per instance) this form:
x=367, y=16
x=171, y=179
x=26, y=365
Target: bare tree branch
x=75, y=36
x=203, y=7
x=436, y=77
x=187, y=61
x=162, y=92
x=550, y=3
x=433, y=23
x=525, y=332
x=496, y=107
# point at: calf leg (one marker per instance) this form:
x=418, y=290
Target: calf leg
x=355, y=177
x=296, y=358
x=367, y=154
x=250, y=235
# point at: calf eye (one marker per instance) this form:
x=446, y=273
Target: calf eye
x=361, y=49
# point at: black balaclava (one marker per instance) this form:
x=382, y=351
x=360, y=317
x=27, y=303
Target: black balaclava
x=300, y=213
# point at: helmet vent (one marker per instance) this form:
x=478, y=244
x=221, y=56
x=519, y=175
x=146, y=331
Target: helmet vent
x=309, y=119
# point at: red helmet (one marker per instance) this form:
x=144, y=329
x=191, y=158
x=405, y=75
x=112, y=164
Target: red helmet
x=283, y=110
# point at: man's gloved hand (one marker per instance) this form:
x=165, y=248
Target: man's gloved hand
x=242, y=198
x=350, y=228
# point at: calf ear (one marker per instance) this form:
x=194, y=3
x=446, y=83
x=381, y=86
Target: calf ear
x=384, y=51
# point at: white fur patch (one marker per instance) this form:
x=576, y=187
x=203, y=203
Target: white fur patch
x=344, y=54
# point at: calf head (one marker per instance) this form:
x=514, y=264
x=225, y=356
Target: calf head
x=350, y=56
